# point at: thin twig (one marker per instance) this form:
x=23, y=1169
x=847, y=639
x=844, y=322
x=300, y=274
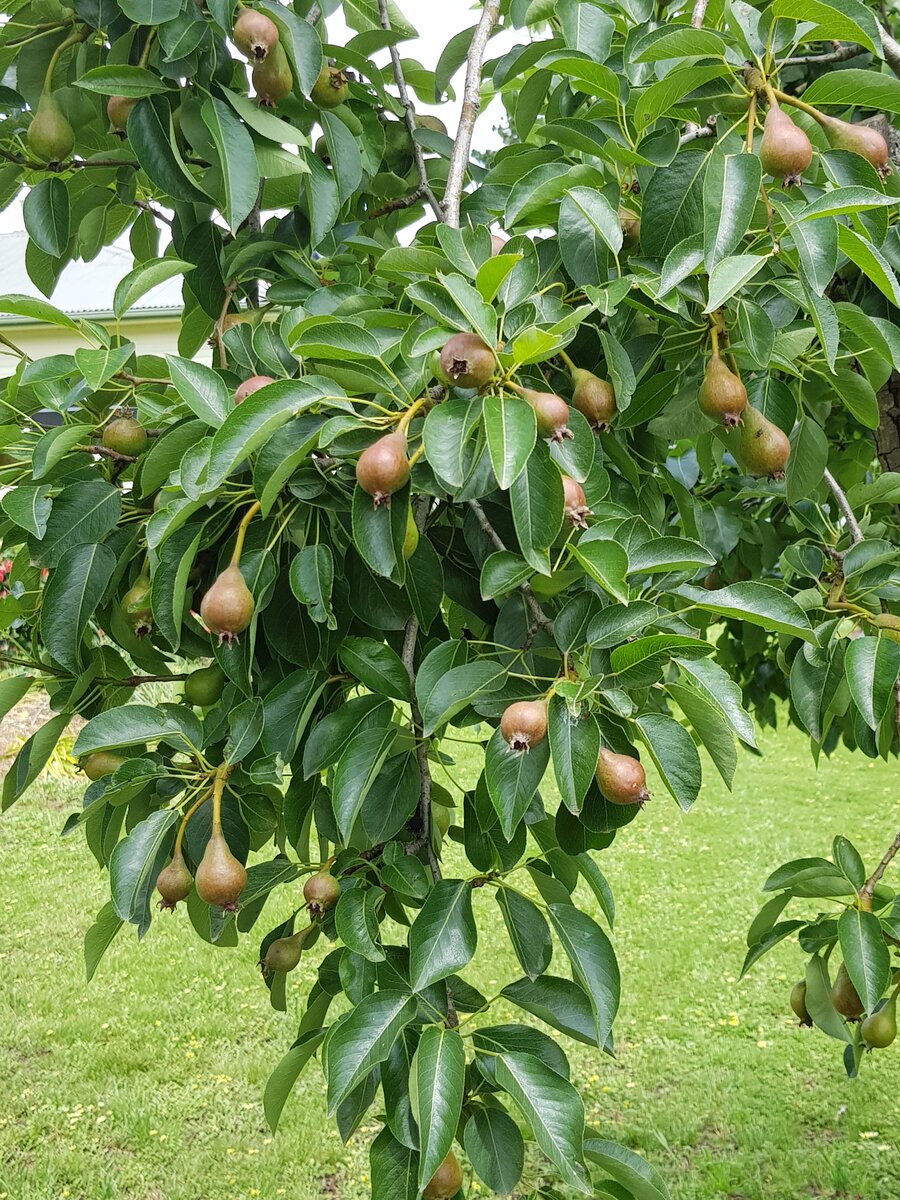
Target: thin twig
x=844, y=505
x=699, y=13
x=137, y=680
x=219, y=327
x=409, y=115
x=105, y=452
x=692, y=131
x=396, y=205
x=253, y=225
x=72, y=165
x=313, y=15
x=154, y=212
x=838, y=54
x=462, y=145
x=538, y=616
x=867, y=890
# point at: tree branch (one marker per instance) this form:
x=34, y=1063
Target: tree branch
x=867, y=890
x=396, y=205
x=844, y=505
x=838, y=54
x=73, y=165
x=409, y=115
x=699, y=13
x=692, y=131
x=219, y=327
x=154, y=212
x=105, y=452
x=891, y=49
x=538, y=616
x=462, y=145
x=137, y=680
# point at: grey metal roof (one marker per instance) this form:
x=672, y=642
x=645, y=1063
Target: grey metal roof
x=84, y=288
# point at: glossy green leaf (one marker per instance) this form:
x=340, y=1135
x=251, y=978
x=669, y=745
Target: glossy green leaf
x=553, y=1110
x=871, y=667
x=511, y=432
x=46, y=215
x=439, y=1069
x=443, y=936
x=866, y=955
x=362, y=1039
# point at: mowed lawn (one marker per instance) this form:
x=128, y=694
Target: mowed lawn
x=147, y=1084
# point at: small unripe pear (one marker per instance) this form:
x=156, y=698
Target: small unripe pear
x=272, y=78
x=621, y=778
x=284, y=954
x=117, y=109
x=859, y=139
x=575, y=502
x=631, y=231
x=205, y=686
x=446, y=1181
x=524, y=724
x=330, y=88
x=467, y=361
x=551, y=413
x=254, y=34
x=174, y=882
x=722, y=395
x=383, y=467
x=100, y=763
x=845, y=997
x=125, y=435
x=880, y=1029
x=784, y=151
x=227, y=608
x=136, y=607
x=798, y=1002
x=594, y=398
x=321, y=893
x=497, y=244
x=50, y=136
x=251, y=385
x=220, y=878
x=764, y=448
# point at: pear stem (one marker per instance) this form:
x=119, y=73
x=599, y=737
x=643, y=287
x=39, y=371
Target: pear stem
x=76, y=36
x=714, y=339
x=567, y=360
x=801, y=104
x=404, y=421
x=242, y=532
x=148, y=46
x=179, y=836
x=751, y=121
x=416, y=455
x=218, y=788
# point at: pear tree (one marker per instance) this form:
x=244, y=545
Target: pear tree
x=483, y=490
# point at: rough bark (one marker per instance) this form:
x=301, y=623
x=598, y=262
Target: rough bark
x=887, y=435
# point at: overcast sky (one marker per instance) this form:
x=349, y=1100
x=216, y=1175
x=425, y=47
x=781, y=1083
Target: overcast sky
x=436, y=21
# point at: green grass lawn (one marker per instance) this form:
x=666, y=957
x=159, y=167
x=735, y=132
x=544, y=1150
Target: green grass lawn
x=147, y=1084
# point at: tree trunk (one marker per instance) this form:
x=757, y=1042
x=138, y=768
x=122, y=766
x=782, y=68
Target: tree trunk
x=887, y=435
